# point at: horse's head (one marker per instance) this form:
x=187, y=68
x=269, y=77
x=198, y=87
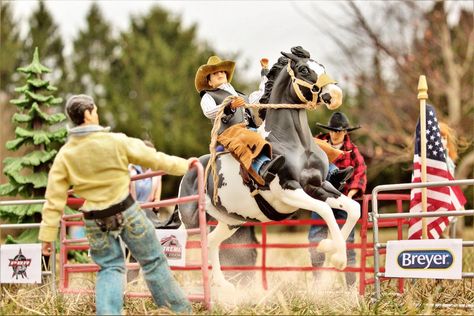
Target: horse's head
x=310, y=82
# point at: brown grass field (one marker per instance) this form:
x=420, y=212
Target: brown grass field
x=289, y=293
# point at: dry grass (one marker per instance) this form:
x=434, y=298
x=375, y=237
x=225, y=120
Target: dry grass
x=293, y=293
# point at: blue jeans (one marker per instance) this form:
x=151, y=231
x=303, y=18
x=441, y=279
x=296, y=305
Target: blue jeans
x=318, y=233
x=331, y=169
x=138, y=234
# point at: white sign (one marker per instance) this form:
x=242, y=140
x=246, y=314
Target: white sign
x=173, y=242
x=430, y=259
x=20, y=263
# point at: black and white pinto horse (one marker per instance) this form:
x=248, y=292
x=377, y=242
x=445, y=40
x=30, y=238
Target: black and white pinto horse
x=300, y=184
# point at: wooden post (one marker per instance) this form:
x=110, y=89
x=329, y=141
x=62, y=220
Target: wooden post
x=423, y=96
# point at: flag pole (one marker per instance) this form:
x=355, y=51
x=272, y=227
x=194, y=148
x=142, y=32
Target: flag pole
x=423, y=96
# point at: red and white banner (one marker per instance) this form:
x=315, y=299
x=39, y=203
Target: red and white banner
x=20, y=263
x=173, y=242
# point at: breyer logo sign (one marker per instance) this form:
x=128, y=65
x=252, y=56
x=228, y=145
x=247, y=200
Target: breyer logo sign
x=425, y=259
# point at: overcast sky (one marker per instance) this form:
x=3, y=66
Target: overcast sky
x=254, y=29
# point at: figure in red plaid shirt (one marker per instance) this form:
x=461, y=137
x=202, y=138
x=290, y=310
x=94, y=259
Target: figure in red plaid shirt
x=338, y=137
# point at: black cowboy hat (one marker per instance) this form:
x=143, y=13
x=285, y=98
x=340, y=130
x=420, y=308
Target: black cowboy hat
x=338, y=122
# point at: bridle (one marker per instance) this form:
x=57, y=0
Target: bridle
x=315, y=88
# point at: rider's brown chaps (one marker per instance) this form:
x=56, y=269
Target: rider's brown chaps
x=245, y=145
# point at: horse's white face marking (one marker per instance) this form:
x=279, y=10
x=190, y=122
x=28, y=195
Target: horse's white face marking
x=336, y=96
x=333, y=90
x=316, y=67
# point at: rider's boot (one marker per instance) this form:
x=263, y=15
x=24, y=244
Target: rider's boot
x=270, y=168
x=339, y=177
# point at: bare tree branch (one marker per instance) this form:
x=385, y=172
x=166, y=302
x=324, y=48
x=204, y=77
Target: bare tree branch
x=465, y=167
x=469, y=55
x=376, y=39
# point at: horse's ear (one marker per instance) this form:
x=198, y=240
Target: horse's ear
x=300, y=52
x=290, y=56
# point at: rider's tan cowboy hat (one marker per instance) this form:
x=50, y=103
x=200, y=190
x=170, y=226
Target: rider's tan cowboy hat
x=338, y=122
x=214, y=64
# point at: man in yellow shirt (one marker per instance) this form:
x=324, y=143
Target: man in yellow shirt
x=95, y=163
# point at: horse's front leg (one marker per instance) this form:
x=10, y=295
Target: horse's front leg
x=351, y=207
x=215, y=238
x=300, y=199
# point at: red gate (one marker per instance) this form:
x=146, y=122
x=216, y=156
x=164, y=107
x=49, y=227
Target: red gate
x=82, y=244
x=365, y=247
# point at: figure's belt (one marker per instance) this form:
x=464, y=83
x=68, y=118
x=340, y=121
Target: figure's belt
x=111, y=210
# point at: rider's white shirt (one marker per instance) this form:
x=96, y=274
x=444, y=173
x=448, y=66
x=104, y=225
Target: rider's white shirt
x=210, y=108
x=208, y=104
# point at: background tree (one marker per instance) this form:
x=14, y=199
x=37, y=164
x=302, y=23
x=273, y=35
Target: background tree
x=28, y=175
x=92, y=55
x=150, y=90
x=11, y=44
x=44, y=33
x=386, y=47
x=10, y=48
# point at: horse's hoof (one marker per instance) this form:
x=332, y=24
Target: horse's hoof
x=339, y=260
x=326, y=246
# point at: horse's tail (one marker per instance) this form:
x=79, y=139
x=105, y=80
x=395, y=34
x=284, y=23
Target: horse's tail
x=189, y=186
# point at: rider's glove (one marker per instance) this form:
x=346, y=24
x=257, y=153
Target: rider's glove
x=237, y=102
x=264, y=64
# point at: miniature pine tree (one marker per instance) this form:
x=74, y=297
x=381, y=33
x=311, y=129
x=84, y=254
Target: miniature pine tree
x=35, y=131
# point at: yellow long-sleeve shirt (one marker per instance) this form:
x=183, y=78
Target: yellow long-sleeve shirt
x=96, y=166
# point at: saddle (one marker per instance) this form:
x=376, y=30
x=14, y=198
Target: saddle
x=250, y=182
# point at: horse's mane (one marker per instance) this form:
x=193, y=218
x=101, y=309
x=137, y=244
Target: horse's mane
x=273, y=74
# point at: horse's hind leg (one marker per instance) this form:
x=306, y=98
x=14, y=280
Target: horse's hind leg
x=215, y=238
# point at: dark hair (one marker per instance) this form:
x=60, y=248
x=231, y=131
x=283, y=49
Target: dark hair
x=77, y=105
x=208, y=77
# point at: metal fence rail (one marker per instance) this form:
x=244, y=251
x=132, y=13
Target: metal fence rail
x=376, y=217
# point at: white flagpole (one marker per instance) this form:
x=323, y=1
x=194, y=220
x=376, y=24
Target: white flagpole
x=423, y=96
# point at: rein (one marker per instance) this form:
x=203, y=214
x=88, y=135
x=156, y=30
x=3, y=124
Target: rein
x=323, y=80
x=217, y=125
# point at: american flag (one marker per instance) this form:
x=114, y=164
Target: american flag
x=440, y=199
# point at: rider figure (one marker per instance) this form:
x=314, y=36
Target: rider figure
x=338, y=137
x=238, y=131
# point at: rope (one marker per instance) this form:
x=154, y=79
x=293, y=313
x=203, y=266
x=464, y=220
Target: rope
x=217, y=125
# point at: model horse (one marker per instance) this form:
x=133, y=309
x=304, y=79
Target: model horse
x=300, y=184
